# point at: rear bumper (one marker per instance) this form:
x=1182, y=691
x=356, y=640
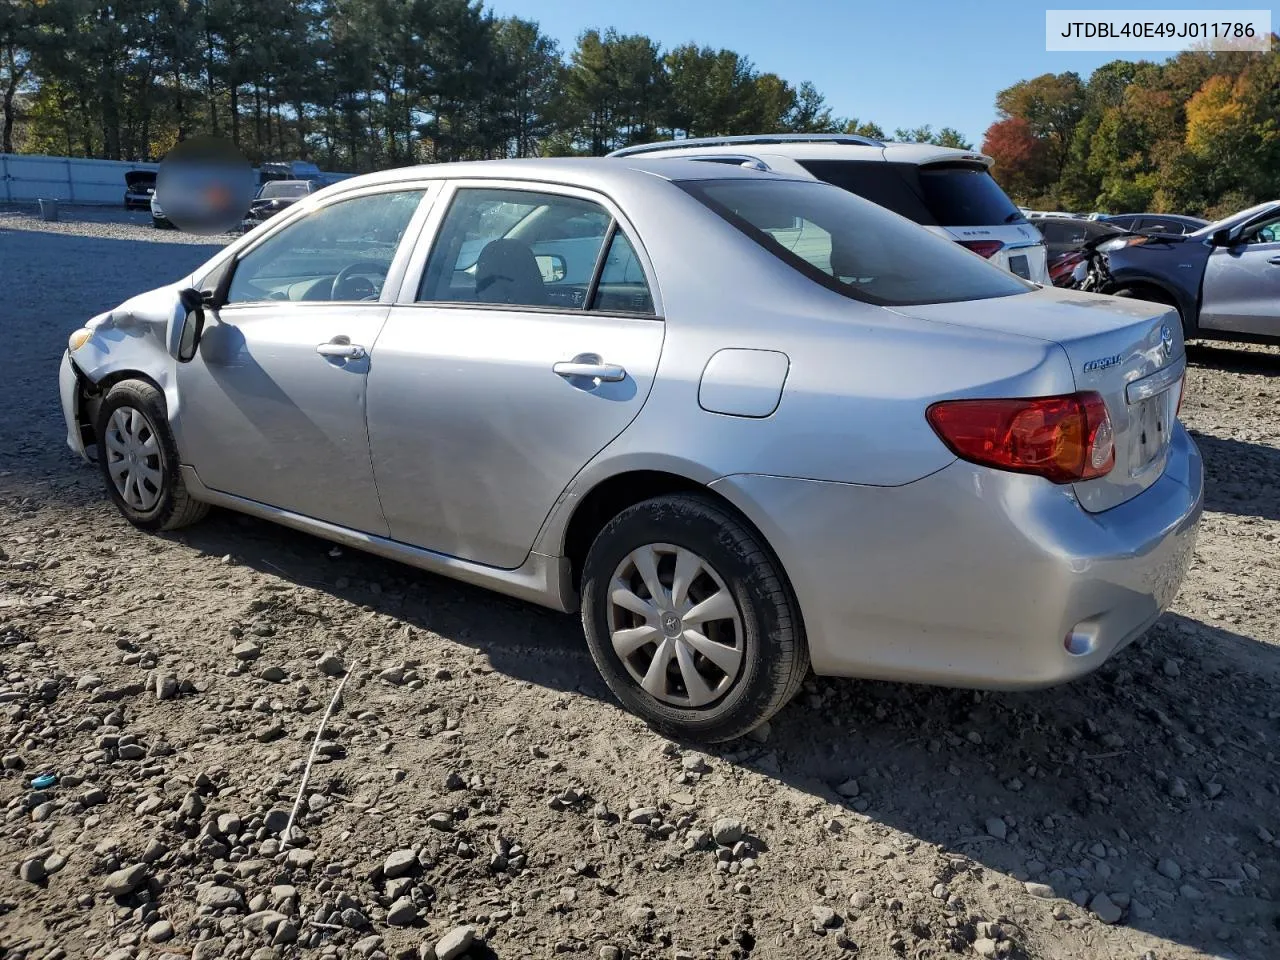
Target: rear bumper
x=972, y=577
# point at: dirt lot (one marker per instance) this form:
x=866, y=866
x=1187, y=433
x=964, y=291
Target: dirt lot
x=477, y=775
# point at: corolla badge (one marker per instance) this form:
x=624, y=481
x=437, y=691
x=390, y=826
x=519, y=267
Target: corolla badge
x=1101, y=363
x=1166, y=341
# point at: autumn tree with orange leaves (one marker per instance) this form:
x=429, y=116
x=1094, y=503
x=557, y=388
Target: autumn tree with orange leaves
x=1198, y=134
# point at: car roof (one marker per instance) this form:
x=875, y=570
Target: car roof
x=769, y=139
x=807, y=147
x=1167, y=216
x=1102, y=226
x=592, y=172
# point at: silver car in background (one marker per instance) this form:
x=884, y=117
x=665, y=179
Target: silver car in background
x=743, y=422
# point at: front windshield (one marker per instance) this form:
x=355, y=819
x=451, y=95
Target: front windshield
x=851, y=245
x=1227, y=223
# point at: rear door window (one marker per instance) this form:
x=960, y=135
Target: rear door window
x=516, y=247
x=622, y=287
x=524, y=248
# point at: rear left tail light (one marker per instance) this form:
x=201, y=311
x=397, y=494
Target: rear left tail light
x=983, y=248
x=1063, y=439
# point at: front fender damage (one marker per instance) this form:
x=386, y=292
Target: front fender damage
x=129, y=340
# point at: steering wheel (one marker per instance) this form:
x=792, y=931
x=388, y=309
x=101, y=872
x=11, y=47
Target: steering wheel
x=362, y=269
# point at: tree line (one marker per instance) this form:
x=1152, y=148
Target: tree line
x=362, y=84
x=1196, y=134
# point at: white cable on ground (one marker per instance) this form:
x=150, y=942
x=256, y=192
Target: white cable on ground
x=306, y=773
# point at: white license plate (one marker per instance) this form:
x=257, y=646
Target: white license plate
x=1151, y=429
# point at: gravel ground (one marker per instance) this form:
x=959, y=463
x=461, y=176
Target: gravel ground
x=107, y=223
x=476, y=789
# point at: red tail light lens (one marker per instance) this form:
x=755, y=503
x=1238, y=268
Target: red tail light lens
x=1063, y=439
x=983, y=248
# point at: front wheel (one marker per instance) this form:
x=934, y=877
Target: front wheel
x=689, y=619
x=139, y=459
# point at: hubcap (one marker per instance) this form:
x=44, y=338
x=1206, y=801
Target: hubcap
x=133, y=458
x=674, y=625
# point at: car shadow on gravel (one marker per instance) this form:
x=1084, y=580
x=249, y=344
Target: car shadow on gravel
x=1239, y=476
x=520, y=639
x=1220, y=356
x=1165, y=752
x=1162, y=753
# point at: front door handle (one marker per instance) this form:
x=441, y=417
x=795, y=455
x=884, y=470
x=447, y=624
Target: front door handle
x=341, y=348
x=590, y=365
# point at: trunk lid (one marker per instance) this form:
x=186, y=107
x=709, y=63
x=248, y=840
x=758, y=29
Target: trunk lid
x=1129, y=351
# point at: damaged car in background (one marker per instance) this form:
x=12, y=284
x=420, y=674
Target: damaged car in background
x=275, y=196
x=1223, y=279
x=139, y=187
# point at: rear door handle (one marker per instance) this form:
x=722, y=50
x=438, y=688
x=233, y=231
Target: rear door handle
x=590, y=365
x=1275, y=260
x=341, y=348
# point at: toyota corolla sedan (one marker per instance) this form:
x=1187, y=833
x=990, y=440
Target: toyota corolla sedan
x=744, y=423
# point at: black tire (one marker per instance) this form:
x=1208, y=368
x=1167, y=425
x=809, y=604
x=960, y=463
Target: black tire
x=174, y=507
x=775, y=656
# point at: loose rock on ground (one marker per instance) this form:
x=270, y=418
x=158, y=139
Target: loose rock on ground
x=476, y=788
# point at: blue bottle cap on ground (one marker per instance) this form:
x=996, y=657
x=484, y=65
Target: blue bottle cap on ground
x=44, y=780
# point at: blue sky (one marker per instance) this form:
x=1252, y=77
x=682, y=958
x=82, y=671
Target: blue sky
x=900, y=63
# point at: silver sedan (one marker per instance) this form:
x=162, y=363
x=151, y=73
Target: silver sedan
x=744, y=423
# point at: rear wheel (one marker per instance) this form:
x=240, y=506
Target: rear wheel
x=139, y=459
x=689, y=619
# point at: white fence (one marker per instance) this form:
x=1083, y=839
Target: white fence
x=26, y=178
x=69, y=179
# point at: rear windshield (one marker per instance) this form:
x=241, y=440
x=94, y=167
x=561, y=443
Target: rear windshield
x=851, y=246
x=939, y=194
x=285, y=188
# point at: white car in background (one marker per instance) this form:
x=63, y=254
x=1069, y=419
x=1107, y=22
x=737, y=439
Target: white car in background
x=949, y=191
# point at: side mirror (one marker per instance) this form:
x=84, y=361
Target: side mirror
x=186, y=324
x=1220, y=238
x=552, y=266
